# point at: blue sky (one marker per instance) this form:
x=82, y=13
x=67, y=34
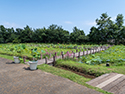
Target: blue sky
x=65, y=13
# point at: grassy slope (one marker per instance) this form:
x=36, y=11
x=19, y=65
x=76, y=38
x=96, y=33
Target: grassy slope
x=91, y=69
x=69, y=75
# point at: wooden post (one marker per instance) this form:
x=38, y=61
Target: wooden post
x=79, y=55
x=73, y=55
x=24, y=59
x=54, y=60
x=83, y=53
x=93, y=50
x=45, y=60
x=87, y=52
x=62, y=55
x=55, y=54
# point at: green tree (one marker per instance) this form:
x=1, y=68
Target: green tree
x=3, y=34
x=77, y=36
x=26, y=35
x=104, y=23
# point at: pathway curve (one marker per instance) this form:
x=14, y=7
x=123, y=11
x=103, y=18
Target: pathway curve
x=18, y=79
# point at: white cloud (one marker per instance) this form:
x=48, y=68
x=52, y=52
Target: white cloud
x=90, y=23
x=9, y=25
x=113, y=18
x=68, y=22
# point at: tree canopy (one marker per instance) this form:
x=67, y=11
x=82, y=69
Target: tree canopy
x=105, y=31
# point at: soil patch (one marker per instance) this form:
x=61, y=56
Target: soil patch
x=79, y=73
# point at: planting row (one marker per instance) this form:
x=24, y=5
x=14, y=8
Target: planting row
x=114, y=56
x=45, y=50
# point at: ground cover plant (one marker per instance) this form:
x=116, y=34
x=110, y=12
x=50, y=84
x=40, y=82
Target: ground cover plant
x=40, y=50
x=115, y=56
x=94, y=70
x=95, y=64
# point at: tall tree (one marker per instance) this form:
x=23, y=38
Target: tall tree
x=77, y=36
x=3, y=34
x=104, y=23
x=27, y=34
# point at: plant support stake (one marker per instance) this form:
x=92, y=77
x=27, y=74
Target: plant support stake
x=54, y=60
x=45, y=60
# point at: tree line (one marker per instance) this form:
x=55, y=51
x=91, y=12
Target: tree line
x=106, y=31
x=52, y=34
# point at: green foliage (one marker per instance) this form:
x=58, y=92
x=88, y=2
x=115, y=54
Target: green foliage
x=46, y=50
x=107, y=30
x=114, y=56
x=36, y=55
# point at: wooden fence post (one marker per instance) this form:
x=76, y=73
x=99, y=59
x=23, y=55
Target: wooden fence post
x=55, y=54
x=93, y=50
x=87, y=52
x=45, y=60
x=79, y=55
x=24, y=59
x=62, y=55
x=73, y=55
x=54, y=60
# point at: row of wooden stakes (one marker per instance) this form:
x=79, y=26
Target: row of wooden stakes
x=88, y=51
